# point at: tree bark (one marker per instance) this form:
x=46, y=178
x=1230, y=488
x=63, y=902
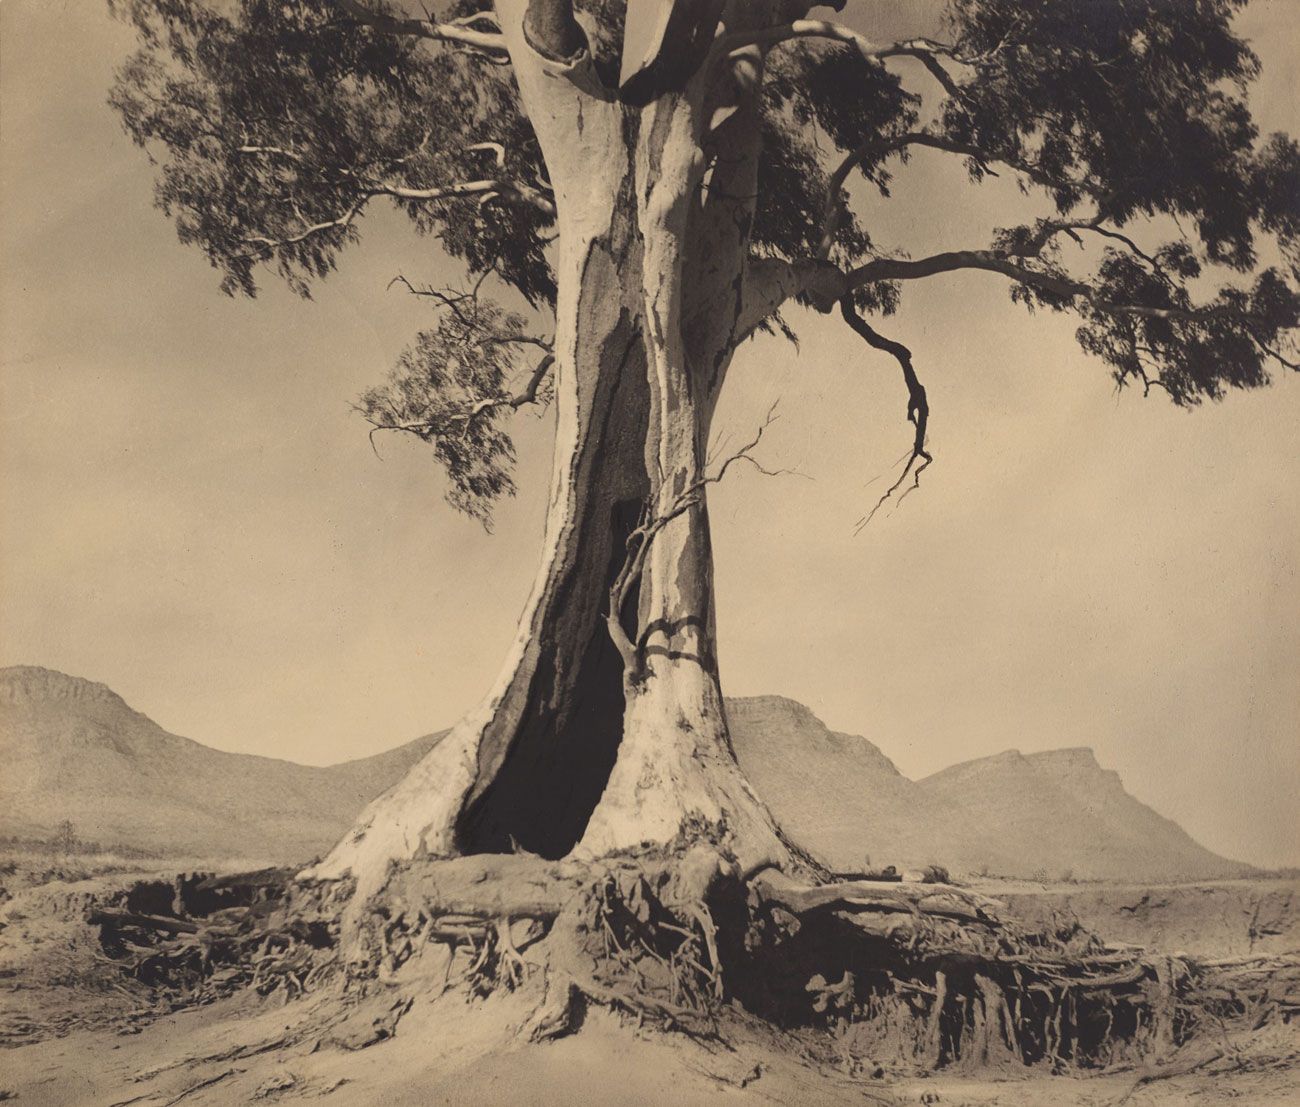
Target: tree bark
x=573, y=748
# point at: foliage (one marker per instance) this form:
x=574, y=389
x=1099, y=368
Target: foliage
x=278, y=124
x=1135, y=110
x=449, y=388
x=1174, y=228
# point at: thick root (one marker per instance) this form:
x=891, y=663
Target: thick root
x=876, y=975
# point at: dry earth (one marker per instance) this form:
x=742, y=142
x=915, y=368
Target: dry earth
x=74, y=1029
x=96, y=1039
x=452, y=1052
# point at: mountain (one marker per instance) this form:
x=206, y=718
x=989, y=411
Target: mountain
x=843, y=800
x=1066, y=814
x=73, y=749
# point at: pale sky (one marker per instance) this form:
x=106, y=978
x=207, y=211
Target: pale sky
x=192, y=515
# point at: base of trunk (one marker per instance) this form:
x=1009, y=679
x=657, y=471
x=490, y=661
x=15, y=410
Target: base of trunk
x=676, y=778
x=675, y=782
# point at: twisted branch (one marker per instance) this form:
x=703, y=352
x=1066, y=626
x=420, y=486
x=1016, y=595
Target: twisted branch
x=918, y=408
x=642, y=538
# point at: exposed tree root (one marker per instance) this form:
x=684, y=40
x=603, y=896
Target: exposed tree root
x=873, y=975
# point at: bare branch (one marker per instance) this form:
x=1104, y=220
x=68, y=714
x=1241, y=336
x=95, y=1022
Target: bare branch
x=491, y=189
x=458, y=32
x=486, y=190
x=918, y=407
x=643, y=536
x=267, y=246
x=777, y=33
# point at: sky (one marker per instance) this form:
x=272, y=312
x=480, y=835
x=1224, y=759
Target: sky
x=191, y=513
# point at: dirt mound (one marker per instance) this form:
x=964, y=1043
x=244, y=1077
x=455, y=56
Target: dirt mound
x=74, y=750
x=472, y=955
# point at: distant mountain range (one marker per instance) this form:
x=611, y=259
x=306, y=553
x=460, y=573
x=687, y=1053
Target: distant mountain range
x=72, y=749
x=1048, y=815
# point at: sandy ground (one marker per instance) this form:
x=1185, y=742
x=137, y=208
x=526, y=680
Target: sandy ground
x=449, y=1050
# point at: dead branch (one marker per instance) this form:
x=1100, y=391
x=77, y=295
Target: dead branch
x=918, y=407
x=643, y=536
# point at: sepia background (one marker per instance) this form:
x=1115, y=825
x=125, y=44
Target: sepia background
x=193, y=515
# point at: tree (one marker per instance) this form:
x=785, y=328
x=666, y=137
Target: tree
x=65, y=837
x=660, y=196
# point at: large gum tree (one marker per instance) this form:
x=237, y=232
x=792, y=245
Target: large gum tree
x=641, y=196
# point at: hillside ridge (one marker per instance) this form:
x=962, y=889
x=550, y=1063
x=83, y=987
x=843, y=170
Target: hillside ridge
x=76, y=749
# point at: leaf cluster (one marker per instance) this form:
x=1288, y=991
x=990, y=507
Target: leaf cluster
x=1137, y=110
x=448, y=388
x=277, y=123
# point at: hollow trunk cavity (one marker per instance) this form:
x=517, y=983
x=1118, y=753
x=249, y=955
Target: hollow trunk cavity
x=577, y=748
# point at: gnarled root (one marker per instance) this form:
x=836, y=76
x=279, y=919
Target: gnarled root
x=883, y=974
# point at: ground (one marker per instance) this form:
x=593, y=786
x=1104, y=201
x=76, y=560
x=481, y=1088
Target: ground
x=77, y=1032
x=451, y=1052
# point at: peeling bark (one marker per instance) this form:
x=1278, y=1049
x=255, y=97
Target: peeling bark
x=571, y=749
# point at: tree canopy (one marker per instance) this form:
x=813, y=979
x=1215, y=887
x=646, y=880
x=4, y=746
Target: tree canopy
x=1156, y=211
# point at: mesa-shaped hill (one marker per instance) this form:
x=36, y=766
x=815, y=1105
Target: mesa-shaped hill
x=1069, y=816
x=844, y=801
x=72, y=749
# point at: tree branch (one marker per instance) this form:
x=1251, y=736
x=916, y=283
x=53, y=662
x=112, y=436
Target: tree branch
x=268, y=246
x=458, y=32
x=883, y=147
x=466, y=416
x=776, y=281
x=642, y=538
x=551, y=30
x=1011, y=265
x=918, y=407
x=681, y=37
x=770, y=282
x=488, y=189
x=777, y=33
x=485, y=190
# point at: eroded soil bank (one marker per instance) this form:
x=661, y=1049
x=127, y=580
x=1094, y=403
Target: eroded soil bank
x=1225, y=918
x=80, y=1031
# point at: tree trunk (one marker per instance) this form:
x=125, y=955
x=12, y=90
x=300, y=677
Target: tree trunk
x=574, y=747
